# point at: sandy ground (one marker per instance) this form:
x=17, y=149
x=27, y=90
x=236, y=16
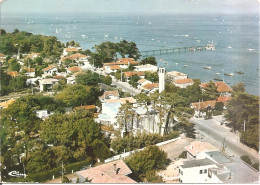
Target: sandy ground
x=174, y=149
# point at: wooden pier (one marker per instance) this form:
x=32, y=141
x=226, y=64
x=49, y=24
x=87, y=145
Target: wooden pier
x=171, y=50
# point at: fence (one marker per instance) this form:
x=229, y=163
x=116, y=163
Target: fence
x=126, y=154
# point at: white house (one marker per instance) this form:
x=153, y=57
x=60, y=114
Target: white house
x=71, y=80
x=43, y=114
x=109, y=95
x=175, y=75
x=142, y=82
x=183, y=83
x=147, y=67
x=208, y=165
x=33, y=81
x=30, y=72
x=109, y=113
x=47, y=84
x=49, y=71
x=129, y=74
x=66, y=51
x=195, y=171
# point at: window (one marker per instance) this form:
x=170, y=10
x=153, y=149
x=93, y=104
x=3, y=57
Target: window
x=200, y=171
x=205, y=171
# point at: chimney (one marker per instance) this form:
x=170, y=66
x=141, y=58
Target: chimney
x=191, y=147
x=115, y=170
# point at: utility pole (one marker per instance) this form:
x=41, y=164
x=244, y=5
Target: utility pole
x=24, y=170
x=121, y=76
x=244, y=125
x=62, y=171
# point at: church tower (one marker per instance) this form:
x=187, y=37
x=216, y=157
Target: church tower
x=161, y=79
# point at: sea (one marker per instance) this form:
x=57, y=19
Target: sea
x=235, y=36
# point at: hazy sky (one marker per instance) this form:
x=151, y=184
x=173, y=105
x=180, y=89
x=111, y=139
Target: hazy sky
x=131, y=6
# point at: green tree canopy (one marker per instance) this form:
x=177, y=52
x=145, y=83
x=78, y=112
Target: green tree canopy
x=151, y=158
x=210, y=92
x=76, y=95
x=149, y=60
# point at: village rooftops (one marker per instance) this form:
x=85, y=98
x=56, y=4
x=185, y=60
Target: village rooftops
x=113, y=172
x=86, y=107
x=204, y=104
x=13, y=73
x=141, y=80
x=49, y=68
x=58, y=77
x=71, y=49
x=197, y=163
x=109, y=93
x=29, y=69
x=125, y=59
x=124, y=62
x=218, y=157
x=236, y=172
x=196, y=147
x=48, y=81
x=221, y=86
x=175, y=73
x=224, y=99
x=115, y=67
x=2, y=55
x=128, y=74
x=33, y=55
x=121, y=100
x=75, y=56
x=151, y=86
x=74, y=69
x=6, y=103
x=183, y=81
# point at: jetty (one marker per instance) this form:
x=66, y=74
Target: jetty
x=172, y=50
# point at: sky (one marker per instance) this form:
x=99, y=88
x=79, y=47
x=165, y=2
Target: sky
x=131, y=6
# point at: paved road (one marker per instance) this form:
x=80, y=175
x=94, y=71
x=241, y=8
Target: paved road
x=214, y=133
x=126, y=87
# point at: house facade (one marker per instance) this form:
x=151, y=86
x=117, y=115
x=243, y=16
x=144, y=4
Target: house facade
x=183, y=83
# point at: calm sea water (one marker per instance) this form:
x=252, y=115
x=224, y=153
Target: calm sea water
x=236, y=38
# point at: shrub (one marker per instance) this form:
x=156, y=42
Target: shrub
x=183, y=155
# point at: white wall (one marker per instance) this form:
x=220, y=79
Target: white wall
x=193, y=175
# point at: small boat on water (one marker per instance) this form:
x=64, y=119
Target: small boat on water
x=229, y=47
x=217, y=73
x=228, y=74
x=185, y=65
x=210, y=47
x=239, y=72
x=207, y=67
x=251, y=50
x=218, y=79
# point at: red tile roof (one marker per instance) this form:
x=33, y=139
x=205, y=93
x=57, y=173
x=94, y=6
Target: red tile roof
x=108, y=93
x=75, y=69
x=30, y=69
x=71, y=49
x=224, y=99
x=151, y=86
x=86, y=107
x=13, y=73
x=183, y=81
x=221, y=86
x=49, y=68
x=113, y=172
x=115, y=67
x=75, y=56
x=197, y=147
x=121, y=100
x=58, y=77
x=120, y=63
x=128, y=74
x=204, y=104
x=2, y=55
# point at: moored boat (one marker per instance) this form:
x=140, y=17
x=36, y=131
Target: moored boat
x=228, y=74
x=239, y=72
x=207, y=67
